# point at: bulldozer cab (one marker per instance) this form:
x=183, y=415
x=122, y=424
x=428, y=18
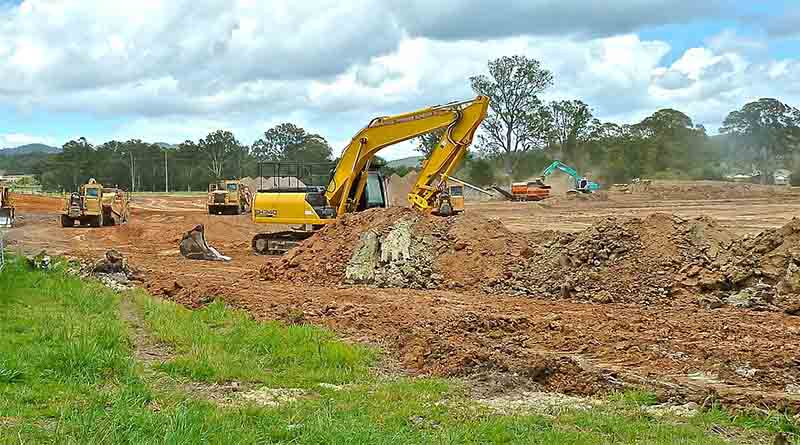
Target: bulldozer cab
x=92, y=194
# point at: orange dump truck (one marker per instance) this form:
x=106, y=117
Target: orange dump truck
x=530, y=191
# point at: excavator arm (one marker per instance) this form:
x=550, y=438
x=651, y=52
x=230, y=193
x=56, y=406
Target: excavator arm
x=587, y=187
x=459, y=119
x=448, y=153
x=558, y=165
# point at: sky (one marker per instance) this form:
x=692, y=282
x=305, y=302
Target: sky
x=167, y=71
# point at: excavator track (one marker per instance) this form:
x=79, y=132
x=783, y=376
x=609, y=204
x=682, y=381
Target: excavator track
x=278, y=243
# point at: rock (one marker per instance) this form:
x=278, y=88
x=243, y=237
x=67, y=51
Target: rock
x=743, y=299
x=793, y=310
x=745, y=371
x=792, y=388
x=527, y=252
x=790, y=283
x=739, y=275
x=602, y=297
x=710, y=302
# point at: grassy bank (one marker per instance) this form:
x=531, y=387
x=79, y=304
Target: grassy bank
x=81, y=364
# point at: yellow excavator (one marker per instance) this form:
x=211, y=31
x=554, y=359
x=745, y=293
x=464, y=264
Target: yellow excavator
x=355, y=187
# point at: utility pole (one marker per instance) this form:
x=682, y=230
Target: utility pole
x=133, y=175
x=166, y=175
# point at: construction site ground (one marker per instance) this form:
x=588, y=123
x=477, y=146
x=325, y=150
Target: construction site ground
x=500, y=342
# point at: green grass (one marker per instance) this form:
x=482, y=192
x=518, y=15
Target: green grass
x=217, y=344
x=67, y=375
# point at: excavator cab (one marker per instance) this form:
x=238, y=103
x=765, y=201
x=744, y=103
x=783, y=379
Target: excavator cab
x=375, y=193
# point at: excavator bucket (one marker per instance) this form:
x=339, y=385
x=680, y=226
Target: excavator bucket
x=194, y=246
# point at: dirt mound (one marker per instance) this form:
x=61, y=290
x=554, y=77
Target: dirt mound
x=760, y=271
x=399, y=247
x=660, y=259
x=616, y=260
x=696, y=190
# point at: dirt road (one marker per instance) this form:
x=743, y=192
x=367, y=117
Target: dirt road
x=683, y=351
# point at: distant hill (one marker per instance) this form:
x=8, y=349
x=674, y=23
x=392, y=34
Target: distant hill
x=29, y=149
x=166, y=145
x=410, y=162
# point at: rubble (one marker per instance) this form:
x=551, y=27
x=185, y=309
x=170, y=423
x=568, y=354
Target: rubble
x=660, y=259
x=112, y=270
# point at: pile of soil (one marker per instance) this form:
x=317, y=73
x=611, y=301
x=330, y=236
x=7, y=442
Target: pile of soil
x=660, y=259
x=617, y=260
x=399, y=247
x=756, y=271
x=695, y=190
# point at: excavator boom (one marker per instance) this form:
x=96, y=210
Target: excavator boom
x=459, y=119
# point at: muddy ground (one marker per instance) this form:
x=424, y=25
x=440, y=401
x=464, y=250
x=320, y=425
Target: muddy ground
x=682, y=350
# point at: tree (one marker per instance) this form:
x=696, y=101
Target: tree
x=673, y=142
x=76, y=161
x=288, y=142
x=766, y=129
x=570, y=126
x=427, y=142
x=217, y=147
x=517, y=121
x=481, y=172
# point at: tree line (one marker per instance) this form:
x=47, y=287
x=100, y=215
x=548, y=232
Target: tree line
x=520, y=136
x=190, y=166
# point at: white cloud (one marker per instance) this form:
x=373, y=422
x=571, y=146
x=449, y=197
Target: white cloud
x=169, y=71
x=9, y=140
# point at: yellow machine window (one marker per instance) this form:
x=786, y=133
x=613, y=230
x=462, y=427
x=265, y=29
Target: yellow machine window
x=92, y=193
x=233, y=187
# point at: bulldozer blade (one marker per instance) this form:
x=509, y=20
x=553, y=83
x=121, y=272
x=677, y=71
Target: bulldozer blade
x=6, y=218
x=194, y=246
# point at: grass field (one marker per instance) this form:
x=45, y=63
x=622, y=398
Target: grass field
x=82, y=364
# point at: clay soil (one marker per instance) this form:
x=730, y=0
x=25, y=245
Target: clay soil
x=680, y=350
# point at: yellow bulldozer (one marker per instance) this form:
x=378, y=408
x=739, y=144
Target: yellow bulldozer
x=228, y=197
x=94, y=205
x=7, y=211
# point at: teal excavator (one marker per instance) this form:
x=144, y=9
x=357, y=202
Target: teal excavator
x=582, y=184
